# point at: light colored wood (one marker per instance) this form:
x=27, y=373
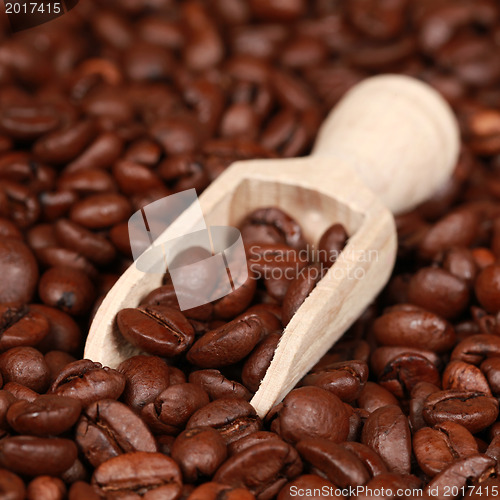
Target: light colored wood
x=318, y=191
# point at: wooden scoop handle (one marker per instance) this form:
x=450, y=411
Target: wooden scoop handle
x=398, y=134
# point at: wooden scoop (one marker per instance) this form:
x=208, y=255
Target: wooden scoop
x=387, y=146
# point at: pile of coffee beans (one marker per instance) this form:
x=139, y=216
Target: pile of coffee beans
x=119, y=103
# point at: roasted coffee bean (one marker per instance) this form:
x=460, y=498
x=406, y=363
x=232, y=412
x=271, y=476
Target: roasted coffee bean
x=213, y=490
x=21, y=326
x=47, y=415
x=373, y=396
x=217, y=386
x=174, y=407
x=88, y=382
x=418, y=396
x=82, y=491
x=199, y=453
x=26, y=366
x=6, y=400
x=56, y=361
x=100, y=211
x=473, y=410
x=414, y=328
x=226, y=345
x=109, y=428
x=475, y=348
x=258, y=362
x=68, y=289
x=299, y=290
x=438, y=291
x=344, y=379
x=64, y=144
x=262, y=468
x=310, y=412
x=462, y=376
x=131, y=473
x=491, y=369
x=19, y=271
x=35, y=456
x=11, y=486
x=457, y=229
x=20, y=391
x=233, y=418
x=331, y=244
x=403, y=372
x=386, y=431
x=146, y=378
x=94, y=247
x=457, y=474
x=435, y=449
x=46, y=488
x=64, y=333
x=158, y=330
x=341, y=466
x=487, y=288
x=371, y=460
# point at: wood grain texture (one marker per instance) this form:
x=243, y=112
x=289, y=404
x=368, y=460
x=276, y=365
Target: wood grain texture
x=392, y=133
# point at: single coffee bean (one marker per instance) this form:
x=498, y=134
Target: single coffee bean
x=26, y=366
x=438, y=291
x=46, y=488
x=146, y=378
x=373, y=396
x=100, y=211
x=47, y=415
x=345, y=379
x=82, y=491
x=109, y=428
x=491, y=369
x=20, y=391
x=68, y=289
x=226, y=345
x=199, y=452
x=310, y=412
x=457, y=474
x=262, y=468
x=11, y=486
x=233, y=418
x=299, y=289
x=386, y=431
x=435, y=449
x=217, y=386
x=462, y=376
x=64, y=333
x=473, y=410
x=416, y=328
x=174, y=407
x=331, y=244
x=88, y=382
x=403, y=372
x=460, y=262
x=159, y=330
x=6, y=400
x=19, y=271
x=213, y=491
x=487, y=288
x=93, y=246
x=475, y=348
x=457, y=229
x=36, y=456
x=21, y=326
x=129, y=473
x=371, y=460
x=341, y=466
x=258, y=361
